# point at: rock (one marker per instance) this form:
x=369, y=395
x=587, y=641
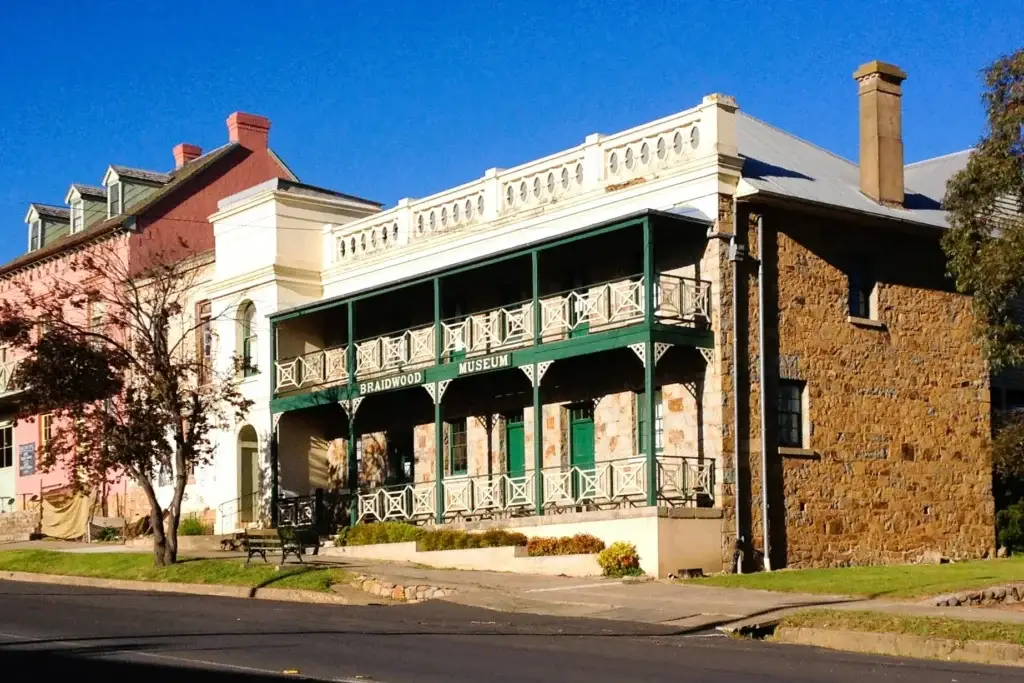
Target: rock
x=410, y=593
x=397, y=593
x=999, y=593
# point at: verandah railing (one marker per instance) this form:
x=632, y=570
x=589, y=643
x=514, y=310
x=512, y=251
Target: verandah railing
x=591, y=308
x=681, y=481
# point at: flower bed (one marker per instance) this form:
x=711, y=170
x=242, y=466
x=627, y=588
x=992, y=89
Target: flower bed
x=580, y=544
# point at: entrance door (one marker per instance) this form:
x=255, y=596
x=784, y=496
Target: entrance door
x=515, y=445
x=250, y=484
x=401, y=457
x=581, y=445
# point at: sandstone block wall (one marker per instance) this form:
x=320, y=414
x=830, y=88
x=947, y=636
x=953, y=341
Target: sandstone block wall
x=899, y=459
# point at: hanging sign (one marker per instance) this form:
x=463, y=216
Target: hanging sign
x=27, y=459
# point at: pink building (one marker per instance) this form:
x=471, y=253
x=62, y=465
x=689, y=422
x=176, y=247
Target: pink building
x=141, y=211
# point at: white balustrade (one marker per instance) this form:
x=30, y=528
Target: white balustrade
x=682, y=298
x=395, y=352
x=503, y=328
x=617, y=482
x=654, y=149
x=313, y=369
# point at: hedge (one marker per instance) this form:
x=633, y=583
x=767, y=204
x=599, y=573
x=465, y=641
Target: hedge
x=580, y=544
x=451, y=539
x=379, y=532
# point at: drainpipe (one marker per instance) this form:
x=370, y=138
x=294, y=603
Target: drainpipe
x=736, y=255
x=763, y=384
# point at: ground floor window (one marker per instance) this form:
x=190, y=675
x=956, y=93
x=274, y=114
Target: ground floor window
x=458, y=454
x=6, y=446
x=641, y=422
x=791, y=413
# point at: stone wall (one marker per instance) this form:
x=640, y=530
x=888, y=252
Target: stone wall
x=18, y=526
x=898, y=454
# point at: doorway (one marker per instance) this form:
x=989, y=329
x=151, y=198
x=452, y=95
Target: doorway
x=515, y=445
x=249, y=475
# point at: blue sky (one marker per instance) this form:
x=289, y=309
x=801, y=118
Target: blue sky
x=405, y=98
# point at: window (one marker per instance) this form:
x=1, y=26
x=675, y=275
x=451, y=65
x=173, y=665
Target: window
x=45, y=431
x=862, y=290
x=77, y=216
x=249, y=340
x=204, y=340
x=458, y=454
x=97, y=315
x=791, y=413
x=641, y=422
x=6, y=446
x=114, y=204
x=35, y=235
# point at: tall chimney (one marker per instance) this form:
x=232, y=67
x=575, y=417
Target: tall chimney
x=249, y=130
x=185, y=153
x=881, y=131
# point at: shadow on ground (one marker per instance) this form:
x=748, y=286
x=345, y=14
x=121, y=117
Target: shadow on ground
x=47, y=665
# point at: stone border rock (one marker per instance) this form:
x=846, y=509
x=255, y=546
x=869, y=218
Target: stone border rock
x=996, y=595
x=383, y=588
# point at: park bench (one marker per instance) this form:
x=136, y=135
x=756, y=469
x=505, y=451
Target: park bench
x=288, y=540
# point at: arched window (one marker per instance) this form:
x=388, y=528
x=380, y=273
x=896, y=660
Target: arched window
x=247, y=333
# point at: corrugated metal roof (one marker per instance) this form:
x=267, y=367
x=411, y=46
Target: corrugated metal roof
x=781, y=164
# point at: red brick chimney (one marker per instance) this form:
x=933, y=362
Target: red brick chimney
x=249, y=130
x=185, y=153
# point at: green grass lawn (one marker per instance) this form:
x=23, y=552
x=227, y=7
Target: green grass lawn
x=897, y=581
x=929, y=627
x=139, y=567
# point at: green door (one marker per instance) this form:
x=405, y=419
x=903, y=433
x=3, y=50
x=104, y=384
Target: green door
x=581, y=445
x=515, y=445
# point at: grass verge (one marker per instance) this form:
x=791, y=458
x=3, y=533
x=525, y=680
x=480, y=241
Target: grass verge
x=928, y=627
x=896, y=581
x=139, y=567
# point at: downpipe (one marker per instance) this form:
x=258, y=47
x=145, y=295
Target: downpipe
x=737, y=253
x=763, y=389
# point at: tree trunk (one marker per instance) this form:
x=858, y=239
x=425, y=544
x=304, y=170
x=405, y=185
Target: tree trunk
x=156, y=520
x=174, y=511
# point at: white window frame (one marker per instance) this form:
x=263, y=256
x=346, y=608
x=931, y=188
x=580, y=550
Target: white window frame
x=35, y=234
x=77, y=216
x=110, y=199
x=14, y=446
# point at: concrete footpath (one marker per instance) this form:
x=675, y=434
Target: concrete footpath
x=668, y=603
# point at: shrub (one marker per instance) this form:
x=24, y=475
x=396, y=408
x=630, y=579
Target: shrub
x=450, y=539
x=107, y=534
x=620, y=559
x=1010, y=527
x=192, y=526
x=580, y=544
x=379, y=532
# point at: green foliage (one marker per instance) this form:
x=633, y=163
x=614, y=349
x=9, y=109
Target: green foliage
x=108, y=534
x=620, y=559
x=379, y=532
x=1008, y=459
x=580, y=544
x=985, y=243
x=1010, y=527
x=451, y=539
x=193, y=527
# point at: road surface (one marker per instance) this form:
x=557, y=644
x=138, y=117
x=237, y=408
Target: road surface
x=67, y=634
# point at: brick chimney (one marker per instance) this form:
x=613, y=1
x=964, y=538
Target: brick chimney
x=881, y=131
x=249, y=130
x=185, y=153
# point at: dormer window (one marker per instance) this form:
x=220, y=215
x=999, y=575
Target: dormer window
x=114, y=203
x=77, y=216
x=35, y=235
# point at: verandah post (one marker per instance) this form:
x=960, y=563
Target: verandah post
x=438, y=455
x=538, y=443
x=350, y=365
x=649, y=363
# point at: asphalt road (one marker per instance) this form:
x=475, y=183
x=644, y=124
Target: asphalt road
x=50, y=633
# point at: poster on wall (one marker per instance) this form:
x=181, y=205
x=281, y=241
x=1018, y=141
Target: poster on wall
x=27, y=459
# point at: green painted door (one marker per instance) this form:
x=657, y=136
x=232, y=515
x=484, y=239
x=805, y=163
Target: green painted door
x=581, y=445
x=515, y=445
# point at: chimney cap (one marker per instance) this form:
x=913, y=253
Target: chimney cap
x=889, y=72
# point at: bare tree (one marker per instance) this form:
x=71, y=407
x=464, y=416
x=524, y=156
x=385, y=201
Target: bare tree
x=118, y=356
